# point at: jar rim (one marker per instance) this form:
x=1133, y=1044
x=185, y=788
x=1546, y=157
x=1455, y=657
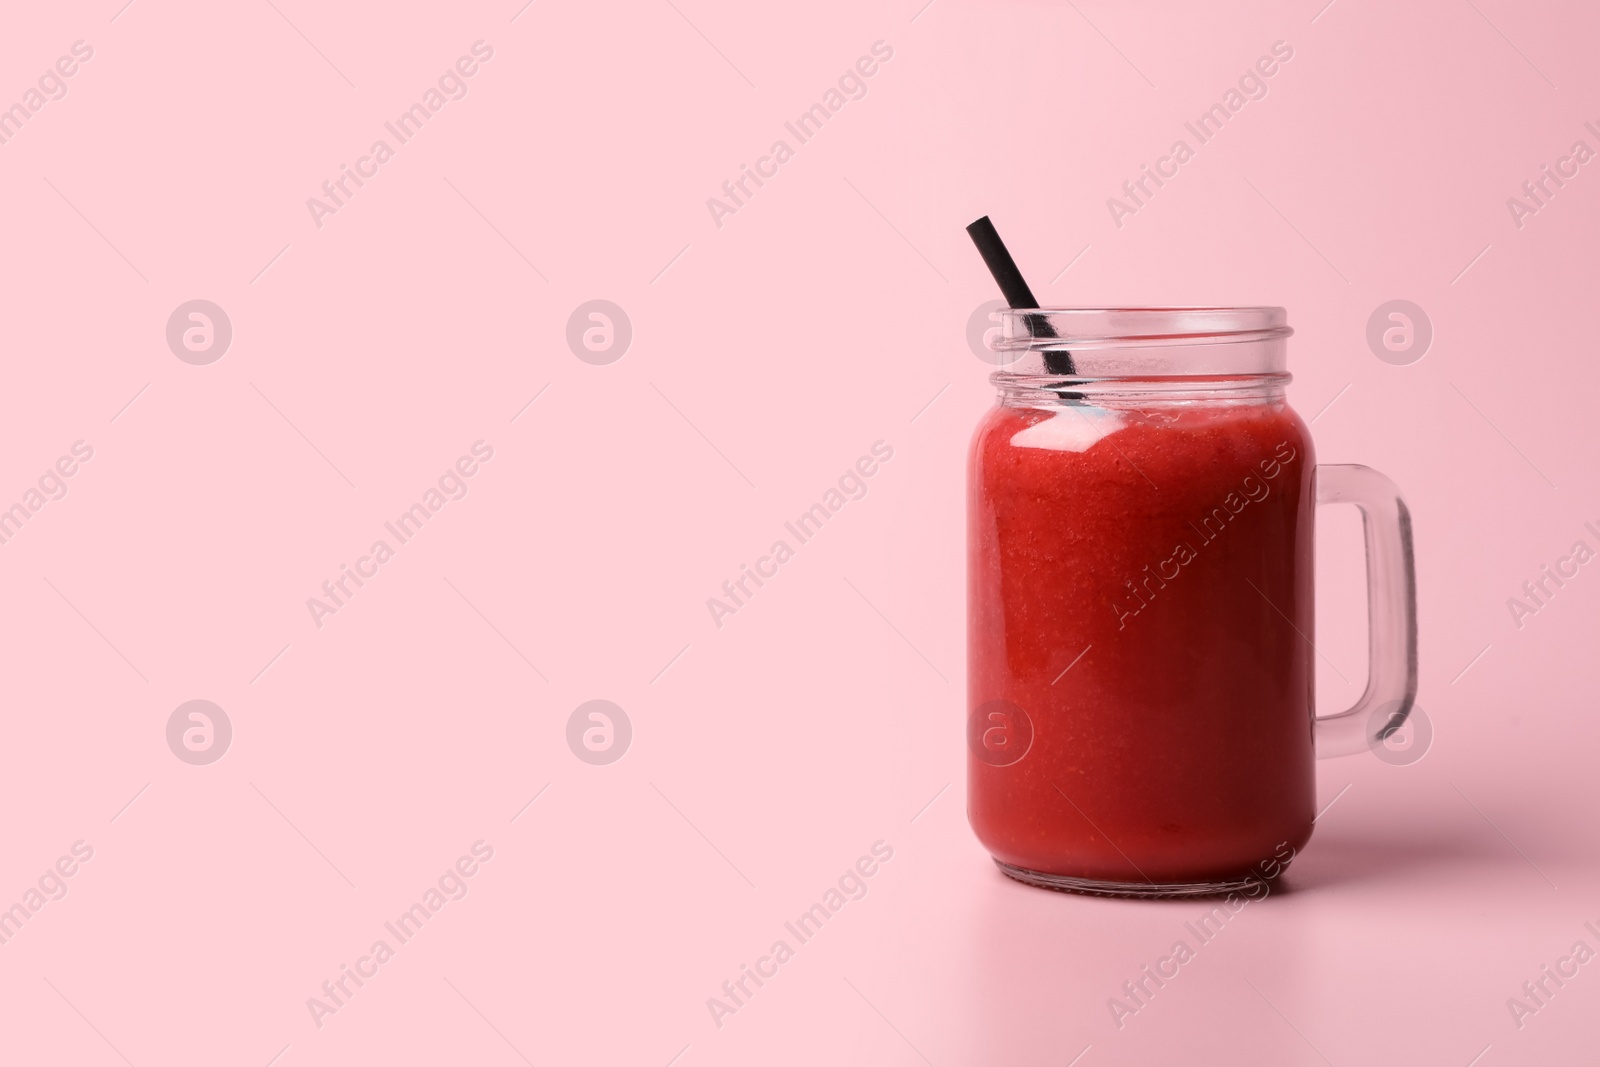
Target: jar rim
x=1059, y=328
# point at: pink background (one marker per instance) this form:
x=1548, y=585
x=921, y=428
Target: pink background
x=767, y=355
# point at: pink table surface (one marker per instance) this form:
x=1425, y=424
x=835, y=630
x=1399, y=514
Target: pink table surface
x=375, y=340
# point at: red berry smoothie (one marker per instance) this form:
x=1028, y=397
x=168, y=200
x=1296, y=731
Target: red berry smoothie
x=1140, y=624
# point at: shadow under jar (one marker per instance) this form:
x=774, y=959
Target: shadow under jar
x=1140, y=614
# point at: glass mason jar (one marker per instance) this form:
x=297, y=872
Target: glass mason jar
x=1140, y=661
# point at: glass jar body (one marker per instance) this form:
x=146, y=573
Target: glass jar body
x=1140, y=675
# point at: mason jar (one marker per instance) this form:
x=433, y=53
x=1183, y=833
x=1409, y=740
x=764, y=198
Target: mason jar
x=1141, y=666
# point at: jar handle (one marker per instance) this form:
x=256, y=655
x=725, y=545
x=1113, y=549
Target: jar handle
x=1391, y=610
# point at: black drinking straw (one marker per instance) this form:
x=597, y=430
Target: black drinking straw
x=1015, y=289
